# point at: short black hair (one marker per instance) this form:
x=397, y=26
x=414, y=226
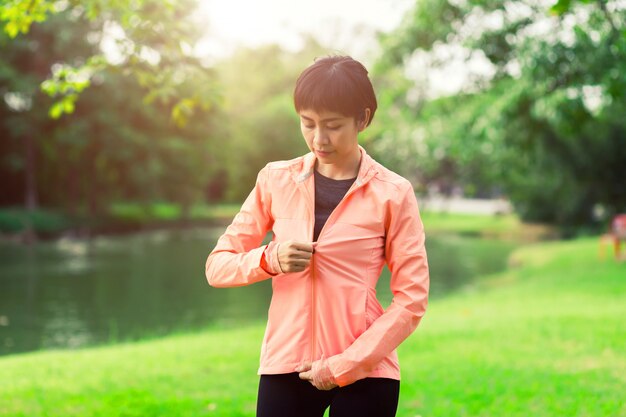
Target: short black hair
x=336, y=83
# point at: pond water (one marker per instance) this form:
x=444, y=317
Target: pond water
x=68, y=294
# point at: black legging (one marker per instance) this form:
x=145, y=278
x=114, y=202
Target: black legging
x=286, y=395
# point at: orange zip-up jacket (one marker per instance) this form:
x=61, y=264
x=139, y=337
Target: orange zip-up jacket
x=330, y=309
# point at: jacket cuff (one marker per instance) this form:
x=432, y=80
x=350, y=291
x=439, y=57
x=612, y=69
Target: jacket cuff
x=269, y=260
x=341, y=372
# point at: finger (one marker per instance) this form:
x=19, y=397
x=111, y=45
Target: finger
x=303, y=246
x=300, y=254
x=300, y=263
x=303, y=367
x=301, y=257
x=306, y=376
x=322, y=386
x=296, y=265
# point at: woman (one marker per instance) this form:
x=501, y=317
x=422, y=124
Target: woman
x=337, y=216
x=618, y=232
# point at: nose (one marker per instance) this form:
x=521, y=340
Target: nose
x=320, y=137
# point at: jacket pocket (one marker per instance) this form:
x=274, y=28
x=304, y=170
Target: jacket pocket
x=373, y=309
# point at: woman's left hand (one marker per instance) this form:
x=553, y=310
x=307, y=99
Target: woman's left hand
x=318, y=374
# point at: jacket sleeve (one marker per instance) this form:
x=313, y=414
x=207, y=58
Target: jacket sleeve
x=405, y=254
x=237, y=258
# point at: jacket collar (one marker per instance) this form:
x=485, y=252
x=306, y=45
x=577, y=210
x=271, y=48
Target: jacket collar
x=367, y=169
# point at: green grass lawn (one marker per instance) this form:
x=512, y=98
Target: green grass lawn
x=503, y=226
x=49, y=221
x=545, y=338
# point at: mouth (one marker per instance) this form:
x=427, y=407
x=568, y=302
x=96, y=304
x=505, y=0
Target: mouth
x=322, y=153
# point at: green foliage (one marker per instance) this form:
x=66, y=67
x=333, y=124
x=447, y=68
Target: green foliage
x=145, y=213
x=154, y=48
x=564, y=6
x=19, y=15
x=545, y=129
x=215, y=212
x=15, y=219
x=259, y=121
x=114, y=146
x=67, y=83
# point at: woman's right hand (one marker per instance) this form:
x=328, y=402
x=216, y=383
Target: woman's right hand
x=294, y=256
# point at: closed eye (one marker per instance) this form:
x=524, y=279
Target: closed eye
x=308, y=126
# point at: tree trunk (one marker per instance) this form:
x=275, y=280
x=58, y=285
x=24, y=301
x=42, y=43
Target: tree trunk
x=30, y=195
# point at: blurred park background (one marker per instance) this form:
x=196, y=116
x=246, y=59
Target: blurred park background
x=132, y=130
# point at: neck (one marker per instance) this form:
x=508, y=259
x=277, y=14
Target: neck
x=346, y=169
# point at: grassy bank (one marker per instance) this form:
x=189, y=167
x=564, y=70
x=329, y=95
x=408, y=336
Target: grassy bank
x=121, y=216
x=502, y=226
x=545, y=338
x=118, y=218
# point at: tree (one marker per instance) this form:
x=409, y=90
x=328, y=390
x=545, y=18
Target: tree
x=545, y=123
x=259, y=120
x=155, y=41
x=116, y=144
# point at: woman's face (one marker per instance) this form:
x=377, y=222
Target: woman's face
x=331, y=136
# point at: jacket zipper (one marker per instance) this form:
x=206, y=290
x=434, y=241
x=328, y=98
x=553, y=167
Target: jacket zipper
x=313, y=335
x=312, y=266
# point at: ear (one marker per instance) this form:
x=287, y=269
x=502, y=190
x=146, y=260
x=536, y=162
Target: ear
x=362, y=124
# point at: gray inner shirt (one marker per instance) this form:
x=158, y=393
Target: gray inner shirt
x=328, y=193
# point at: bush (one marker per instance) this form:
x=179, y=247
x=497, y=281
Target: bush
x=17, y=219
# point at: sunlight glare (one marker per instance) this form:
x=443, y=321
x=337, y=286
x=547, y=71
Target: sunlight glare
x=252, y=23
